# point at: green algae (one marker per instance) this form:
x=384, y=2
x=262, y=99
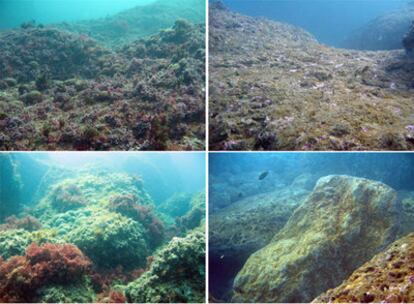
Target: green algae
x=176, y=275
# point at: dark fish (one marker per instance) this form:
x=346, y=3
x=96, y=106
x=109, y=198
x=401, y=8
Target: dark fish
x=240, y=195
x=263, y=175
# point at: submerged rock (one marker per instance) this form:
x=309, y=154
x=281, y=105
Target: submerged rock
x=243, y=228
x=408, y=41
x=384, y=32
x=26, y=54
x=386, y=278
x=342, y=223
x=177, y=274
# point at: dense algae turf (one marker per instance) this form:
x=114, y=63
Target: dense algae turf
x=92, y=236
x=63, y=90
x=274, y=87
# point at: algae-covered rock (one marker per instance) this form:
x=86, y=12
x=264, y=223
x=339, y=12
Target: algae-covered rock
x=74, y=293
x=13, y=242
x=386, y=278
x=274, y=87
x=384, y=32
x=342, y=223
x=249, y=224
x=62, y=54
x=176, y=205
x=66, y=197
x=177, y=274
x=110, y=240
x=32, y=97
x=88, y=190
x=195, y=215
x=243, y=228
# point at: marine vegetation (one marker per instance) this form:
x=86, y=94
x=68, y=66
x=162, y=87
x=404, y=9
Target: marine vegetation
x=97, y=236
x=66, y=87
x=38, y=274
x=387, y=278
x=273, y=86
x=176, y=275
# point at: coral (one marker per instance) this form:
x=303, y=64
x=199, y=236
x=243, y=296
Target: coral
x=111, y=240
x=129, y=206
x=66, y=197
x=177, y=273
x=387, y=278
x=22, y=276
x=341, y=224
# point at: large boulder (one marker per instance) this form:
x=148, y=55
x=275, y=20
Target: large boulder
x=342, y=223
x=387, y=278
x=243, y=228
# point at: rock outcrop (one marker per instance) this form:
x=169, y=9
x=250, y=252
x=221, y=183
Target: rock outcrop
x=387, y=278
x=343, y=222
x=383, y=33
x=243, y=228
x=177, y=274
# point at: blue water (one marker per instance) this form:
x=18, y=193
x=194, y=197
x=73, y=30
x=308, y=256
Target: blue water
x=163, y=173
x=15, y=12
x=330, y=21
x=394, y=169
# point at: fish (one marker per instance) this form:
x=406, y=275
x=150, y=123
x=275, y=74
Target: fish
x=263, y=175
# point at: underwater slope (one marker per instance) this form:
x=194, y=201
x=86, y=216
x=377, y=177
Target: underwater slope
x=140, y=21
x=387, y=278
x=65, y=91
x=383, y=33
x=273, y=87
x=342, y=223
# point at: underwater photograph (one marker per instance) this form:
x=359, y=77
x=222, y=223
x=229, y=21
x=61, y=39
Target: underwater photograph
x=311, y=227
x=102, y=75
x=102, y=227
x=311, y=75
